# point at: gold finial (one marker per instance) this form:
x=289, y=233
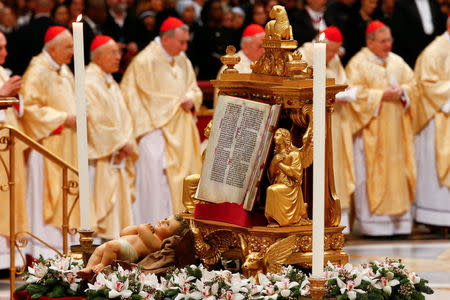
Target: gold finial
x=297, y=67
x=230, y=59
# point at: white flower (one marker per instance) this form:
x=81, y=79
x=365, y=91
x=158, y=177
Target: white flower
x=61, y=264
x=118, y=288
x=228, y=294
x=204, y=288
x=269, y=289
x=146, y=296
x=150, y=280
x=385, y=284
x=186, y=287
x=285, y=286
x=237, y=284
x=255, y=289
x=100, y=283
x=263, y=280
x=390, y=275
x=181, y=279
x=207, y=275
x=37, y=272
x=349, y=287
x=304, y=287
x=413, y=278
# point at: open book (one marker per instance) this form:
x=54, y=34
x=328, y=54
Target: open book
x=237, y=151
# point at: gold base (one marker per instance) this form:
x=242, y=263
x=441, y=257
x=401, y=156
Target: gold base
x=86, y=241
x=280, y=44
x=317, y=289
x=218, y=239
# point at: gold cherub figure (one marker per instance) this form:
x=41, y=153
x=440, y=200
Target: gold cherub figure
x=284, y=200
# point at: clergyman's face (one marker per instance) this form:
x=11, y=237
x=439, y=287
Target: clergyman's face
x=62, y=52
x=253, y=49
x=332, y=49
x=177, y=43
x=381, y=44
x=108, y=58
x=3, y=51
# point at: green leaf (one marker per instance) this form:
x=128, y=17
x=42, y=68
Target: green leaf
x=171, y=293
x=36, y=296
x=57, y=292
x=69, y=292
x=21, y=288
x=51, y=282
x=35, y=289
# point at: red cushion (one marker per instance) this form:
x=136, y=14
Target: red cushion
x=229, y=213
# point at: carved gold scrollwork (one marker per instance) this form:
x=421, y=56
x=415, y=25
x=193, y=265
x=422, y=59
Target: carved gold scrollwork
x=5, y=143
x=211, y=244
x=305, y=243
x=303, y=117
x=326, y=242
x=72, y=188
x=273, y=62
x=73, y=231
x=337, y=241
x=22, y=241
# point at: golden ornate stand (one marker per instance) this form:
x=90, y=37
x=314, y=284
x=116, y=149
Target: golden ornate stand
x=262, y=248
x=281, y=77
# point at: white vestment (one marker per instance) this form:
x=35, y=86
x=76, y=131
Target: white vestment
x=48, y=233
x=153, y=202
x=371, y=224
x=431, y=208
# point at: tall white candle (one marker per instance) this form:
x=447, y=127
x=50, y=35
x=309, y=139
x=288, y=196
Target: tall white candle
x=80, y=95
x=319, y=158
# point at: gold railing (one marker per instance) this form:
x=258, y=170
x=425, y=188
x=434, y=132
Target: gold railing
x=70, y=188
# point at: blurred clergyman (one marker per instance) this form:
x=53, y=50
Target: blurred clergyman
x=432, y=120
x=112, y=147
x=162, y=95
x=251, y=50
x=385, y=166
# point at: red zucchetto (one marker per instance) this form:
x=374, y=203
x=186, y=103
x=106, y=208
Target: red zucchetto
x=252, y=30
x=52, y=32
x=171, y=23
x=333, y=34
x=373, y=26
x=100, y=40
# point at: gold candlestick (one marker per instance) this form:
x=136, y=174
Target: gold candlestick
x=317, y=289
x=86, y=241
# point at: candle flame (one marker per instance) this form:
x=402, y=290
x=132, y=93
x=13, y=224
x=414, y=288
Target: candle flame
x=79, y=17
x=322, y=37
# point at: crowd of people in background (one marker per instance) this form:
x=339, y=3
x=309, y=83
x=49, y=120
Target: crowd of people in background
x=153, y=108
x=215, y=24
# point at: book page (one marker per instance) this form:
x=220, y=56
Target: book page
x=261, y=158
x=235, y=139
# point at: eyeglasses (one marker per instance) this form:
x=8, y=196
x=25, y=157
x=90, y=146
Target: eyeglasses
x=384, y=41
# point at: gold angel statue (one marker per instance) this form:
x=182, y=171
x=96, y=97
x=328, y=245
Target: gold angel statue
x=284, y=200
